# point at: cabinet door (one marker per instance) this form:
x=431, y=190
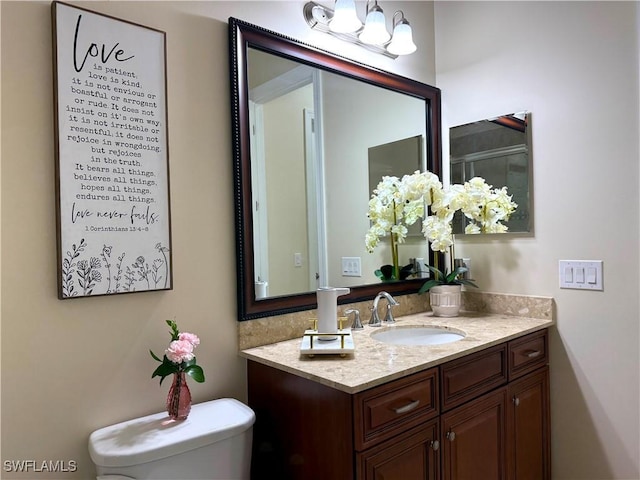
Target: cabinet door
x=528, y=428
x=474, y=439
x=410, y=456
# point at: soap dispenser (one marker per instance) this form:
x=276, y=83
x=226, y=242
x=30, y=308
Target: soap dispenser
x=328, y=310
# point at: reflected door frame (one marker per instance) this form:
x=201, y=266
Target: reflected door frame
x=316, y=229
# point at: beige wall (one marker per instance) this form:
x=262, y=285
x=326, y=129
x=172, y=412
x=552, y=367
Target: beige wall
x=574, y=66
x=69, y=367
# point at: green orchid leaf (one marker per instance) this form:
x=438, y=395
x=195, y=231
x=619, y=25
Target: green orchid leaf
x=428, y=285
x=436, y=272
x=195, y=372
x=453, y=276
x=464, y=281
x=446, y=279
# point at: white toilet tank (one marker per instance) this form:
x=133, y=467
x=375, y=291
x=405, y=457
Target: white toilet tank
x=214, y=442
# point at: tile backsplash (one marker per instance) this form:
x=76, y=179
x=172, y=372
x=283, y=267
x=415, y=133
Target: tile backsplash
x=264, y=331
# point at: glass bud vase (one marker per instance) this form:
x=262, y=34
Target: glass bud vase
x=179, y=398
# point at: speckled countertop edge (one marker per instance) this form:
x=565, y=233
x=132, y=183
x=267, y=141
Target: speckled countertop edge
x=375, y=363
x=265, y=331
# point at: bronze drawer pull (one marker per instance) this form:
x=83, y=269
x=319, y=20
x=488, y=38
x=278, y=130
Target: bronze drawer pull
x=407, y=408
x=533, y=353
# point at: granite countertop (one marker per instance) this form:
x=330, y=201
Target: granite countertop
x=375, y=363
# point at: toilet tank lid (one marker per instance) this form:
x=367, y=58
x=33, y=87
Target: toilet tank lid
x=155, y=436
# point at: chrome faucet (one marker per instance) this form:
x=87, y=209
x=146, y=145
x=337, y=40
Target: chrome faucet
x=388, y=318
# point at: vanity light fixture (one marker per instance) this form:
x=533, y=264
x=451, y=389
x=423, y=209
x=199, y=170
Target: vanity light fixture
x=344, y=24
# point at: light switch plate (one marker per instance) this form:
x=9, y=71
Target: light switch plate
x=351, y=267
x=581, y=274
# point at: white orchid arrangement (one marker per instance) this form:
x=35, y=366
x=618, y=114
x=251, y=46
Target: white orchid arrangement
x=484, y=206
x=398, y=203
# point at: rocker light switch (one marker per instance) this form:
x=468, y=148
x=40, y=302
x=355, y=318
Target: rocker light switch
x=568, y=274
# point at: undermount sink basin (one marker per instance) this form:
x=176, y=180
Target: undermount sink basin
x=417, y=335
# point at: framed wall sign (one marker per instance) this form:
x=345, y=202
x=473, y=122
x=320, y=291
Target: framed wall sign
x=112, y=165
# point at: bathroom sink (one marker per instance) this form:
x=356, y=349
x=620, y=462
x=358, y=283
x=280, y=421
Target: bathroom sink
x=417, y=335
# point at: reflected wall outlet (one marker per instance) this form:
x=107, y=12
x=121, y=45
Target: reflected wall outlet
x=581, y=274
x=351, y=267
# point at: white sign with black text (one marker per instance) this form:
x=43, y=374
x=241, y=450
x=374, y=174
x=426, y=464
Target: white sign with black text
x=114, y=229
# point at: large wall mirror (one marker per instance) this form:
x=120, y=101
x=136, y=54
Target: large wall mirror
x=497, y=149
x=306, y=126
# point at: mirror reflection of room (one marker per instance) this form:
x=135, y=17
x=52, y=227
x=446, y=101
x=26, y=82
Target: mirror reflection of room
x=312, y=135
x=496, y=149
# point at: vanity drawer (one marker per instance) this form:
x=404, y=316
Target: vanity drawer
x=473, y=375
x=385, y=411
x=528, y=353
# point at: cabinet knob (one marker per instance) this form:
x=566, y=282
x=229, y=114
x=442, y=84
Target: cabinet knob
x=451, y=435
x=516, y=401
x=435, y=444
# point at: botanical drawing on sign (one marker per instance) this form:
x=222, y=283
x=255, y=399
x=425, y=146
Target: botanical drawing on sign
x=68, y=268
x=92, y=270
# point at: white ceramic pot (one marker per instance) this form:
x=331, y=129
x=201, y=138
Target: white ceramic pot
x=445, y=300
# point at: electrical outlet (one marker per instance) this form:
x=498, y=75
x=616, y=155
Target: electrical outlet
x=297, y=259
x=581, y=274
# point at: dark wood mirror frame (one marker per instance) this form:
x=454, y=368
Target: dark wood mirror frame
x=243, y=35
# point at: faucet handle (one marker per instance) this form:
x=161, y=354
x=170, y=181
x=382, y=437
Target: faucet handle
x=357, y=323
x=388, y=318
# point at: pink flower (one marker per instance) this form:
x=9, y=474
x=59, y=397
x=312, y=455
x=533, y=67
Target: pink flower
x=180, y=351
x=191, y=338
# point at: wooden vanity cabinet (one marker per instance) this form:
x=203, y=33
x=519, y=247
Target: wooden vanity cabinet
x=483, y=416
x=495, y=419
x=305, y=430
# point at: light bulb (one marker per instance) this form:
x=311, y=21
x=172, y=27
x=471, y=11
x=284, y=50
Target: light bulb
x=402, y=40
x=345, y=19
x=375, y=29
